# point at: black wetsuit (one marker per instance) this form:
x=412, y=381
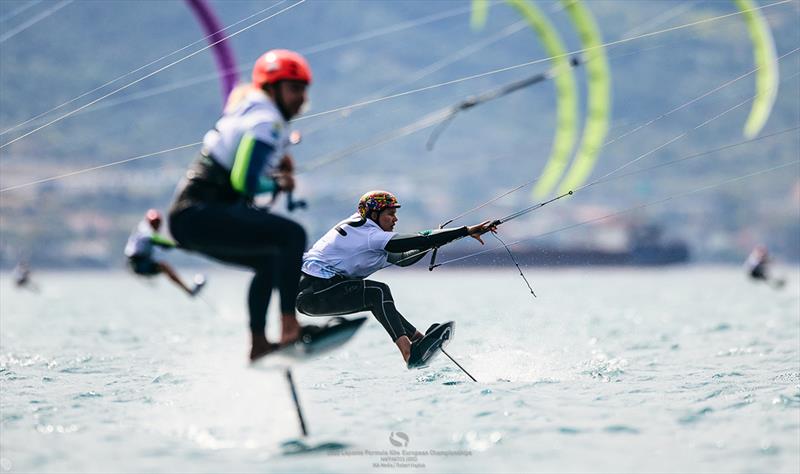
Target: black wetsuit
x=341, y=295
x=210, y=217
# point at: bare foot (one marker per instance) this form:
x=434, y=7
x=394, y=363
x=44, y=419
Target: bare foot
x=260, y=346
x=290, y=329
x=417, y=336
x=404, y=344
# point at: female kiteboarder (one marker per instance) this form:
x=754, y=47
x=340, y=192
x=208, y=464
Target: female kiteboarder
x=335, y=269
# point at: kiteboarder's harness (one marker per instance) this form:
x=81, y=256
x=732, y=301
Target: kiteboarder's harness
x=209, y=181
x=206, y=181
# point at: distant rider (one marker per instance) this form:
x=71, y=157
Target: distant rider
x=245, y=155
x=335, y=269
x=141, y=246
x=22, y=276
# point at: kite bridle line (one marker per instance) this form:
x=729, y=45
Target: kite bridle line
x=498, y=222
x=601, y=180
x=432, y=264
x=607, y=179
x=496, y=93
x=508, y=249
x=445, y=114
x=631, y=209
x=173, y=63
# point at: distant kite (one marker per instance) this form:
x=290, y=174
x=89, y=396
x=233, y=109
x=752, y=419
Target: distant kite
x=598, y=80
x=598, y=95
x=226, y=63
x=766, y=64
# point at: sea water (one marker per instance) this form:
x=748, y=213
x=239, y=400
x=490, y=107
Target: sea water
x=678, y=369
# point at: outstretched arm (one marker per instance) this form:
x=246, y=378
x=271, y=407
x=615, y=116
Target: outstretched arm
x=436, y=238
x=405, y=259
x=162, y=241
x=424, y=240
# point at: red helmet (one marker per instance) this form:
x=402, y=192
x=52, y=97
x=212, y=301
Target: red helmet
x=153, y=217
x=280, y=65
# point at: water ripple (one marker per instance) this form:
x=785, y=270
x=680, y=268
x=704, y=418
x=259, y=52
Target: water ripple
x=569, y=430
x=477, y=441
x=166, y=377
x=788, y=377
x=90, y=394
x=621, y=429
x=695, y=416
x=720, y=327
x=606, y=369
x=711, y=395
x=727, y=374
x=787, y=400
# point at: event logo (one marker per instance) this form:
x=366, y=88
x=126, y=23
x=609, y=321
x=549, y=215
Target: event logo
x=399, y=439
